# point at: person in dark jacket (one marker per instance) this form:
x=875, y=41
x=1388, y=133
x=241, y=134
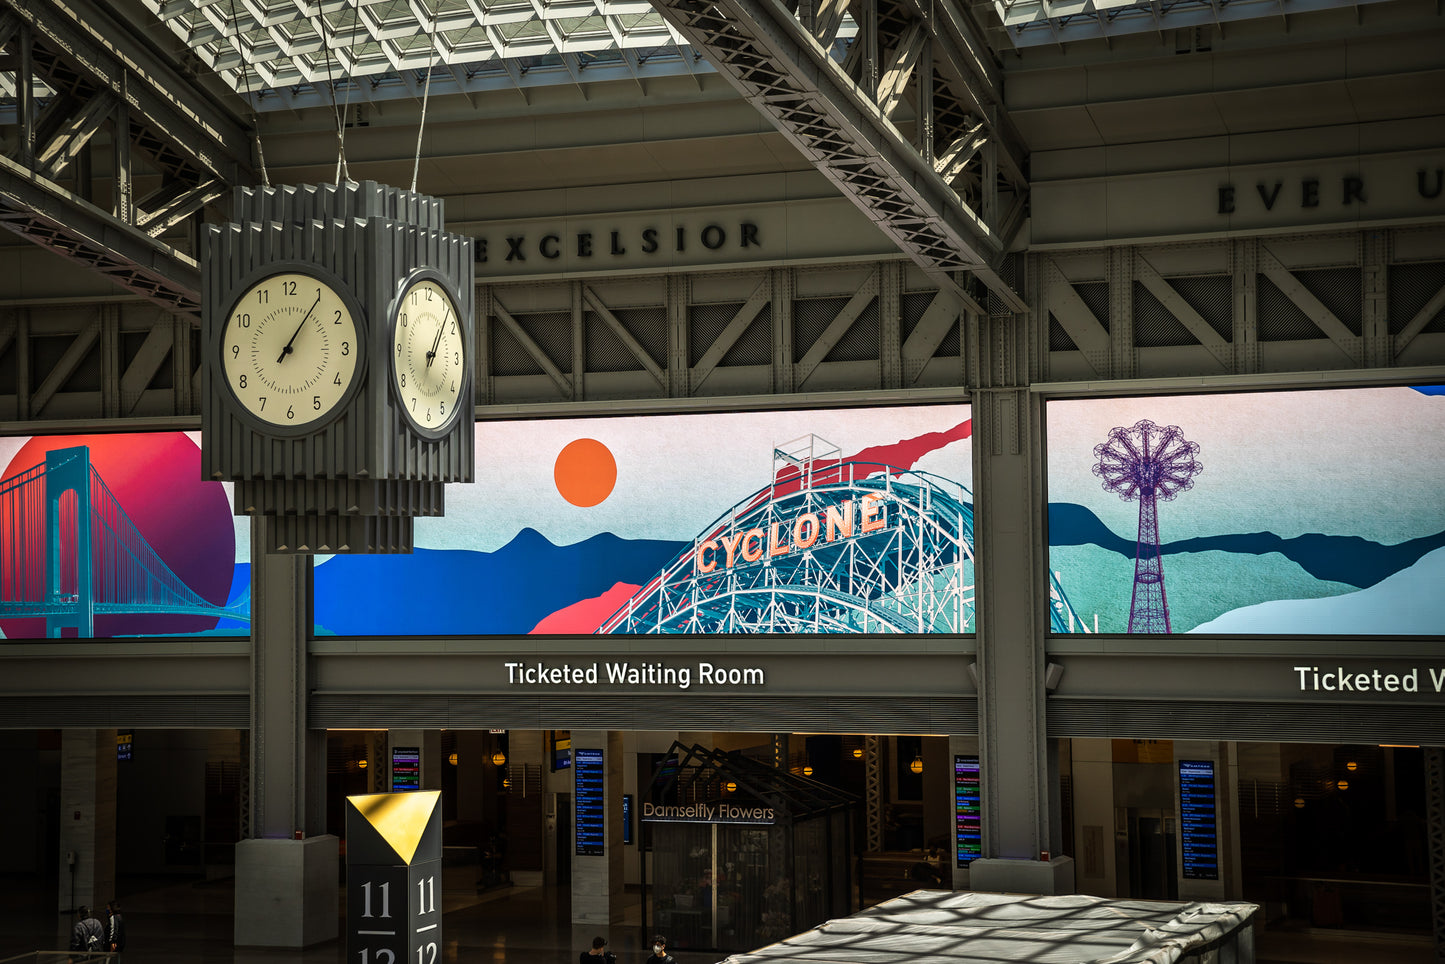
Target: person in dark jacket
x=88, y=934
x=659, y=952
x=599, y=953
x=114, y=928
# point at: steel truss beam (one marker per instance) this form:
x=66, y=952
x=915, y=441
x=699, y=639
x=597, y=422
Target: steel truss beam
x=42, y=211
x=96, y=72
x=780, y=67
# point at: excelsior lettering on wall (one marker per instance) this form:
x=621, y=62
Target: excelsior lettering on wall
x=551, y=245
x=1337, y=679
x=632, y=674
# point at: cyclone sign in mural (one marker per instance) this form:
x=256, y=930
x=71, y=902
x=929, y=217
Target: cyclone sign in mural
x=823, y=521
x=1310, y=513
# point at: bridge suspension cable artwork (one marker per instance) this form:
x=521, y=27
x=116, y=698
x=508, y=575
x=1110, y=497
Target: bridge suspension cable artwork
x=71, y=552
x=1150, y=463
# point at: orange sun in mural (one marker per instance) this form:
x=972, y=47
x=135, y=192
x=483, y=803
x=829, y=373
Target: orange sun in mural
x=585, y=472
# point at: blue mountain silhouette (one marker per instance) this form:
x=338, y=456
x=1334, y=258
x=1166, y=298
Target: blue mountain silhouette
x=455, y=592
x=1347, y=559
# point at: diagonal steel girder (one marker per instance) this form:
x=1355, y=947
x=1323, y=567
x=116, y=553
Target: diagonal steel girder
x=80, y=44
x=98, y=70
x=42, y=211
x=777, y=65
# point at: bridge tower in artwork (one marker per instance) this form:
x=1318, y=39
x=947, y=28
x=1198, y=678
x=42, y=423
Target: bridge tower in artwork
x=69, y=560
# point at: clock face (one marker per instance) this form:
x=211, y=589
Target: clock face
x=289, y=350
x=428, y=355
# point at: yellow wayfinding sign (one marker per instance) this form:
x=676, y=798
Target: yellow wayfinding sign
x=400, y=819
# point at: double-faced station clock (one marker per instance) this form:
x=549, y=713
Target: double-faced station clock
x=337, y=384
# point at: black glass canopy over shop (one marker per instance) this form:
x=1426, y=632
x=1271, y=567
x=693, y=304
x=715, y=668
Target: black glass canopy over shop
x=743, y=853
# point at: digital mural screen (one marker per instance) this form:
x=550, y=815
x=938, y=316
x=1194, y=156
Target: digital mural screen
x=719, y=523
x=1293, y=513
x=105, y=536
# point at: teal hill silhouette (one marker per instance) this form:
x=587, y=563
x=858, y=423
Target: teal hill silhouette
x=1347, y=559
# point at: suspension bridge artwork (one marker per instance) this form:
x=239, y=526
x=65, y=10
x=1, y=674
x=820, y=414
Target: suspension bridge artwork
x=116, y=535
x=855, y=521
x=1302, y=513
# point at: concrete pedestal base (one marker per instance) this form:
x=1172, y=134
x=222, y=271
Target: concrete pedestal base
x=995, y=875
x=287, y=892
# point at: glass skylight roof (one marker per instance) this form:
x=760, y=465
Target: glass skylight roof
x=290, y=46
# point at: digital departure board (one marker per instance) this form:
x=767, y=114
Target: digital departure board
x=627, y=818
x=967, y=820
x=1200, y=837
x=123, y=744
x=405, y=768
x=590, y=802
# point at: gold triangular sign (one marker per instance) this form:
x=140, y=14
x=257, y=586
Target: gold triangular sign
x=400, y=818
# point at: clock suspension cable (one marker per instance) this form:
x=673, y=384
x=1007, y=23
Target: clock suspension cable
x=436, y=16
x=249, y=96
x=319, y=24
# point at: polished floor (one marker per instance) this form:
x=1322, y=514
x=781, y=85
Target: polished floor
x=190, y=922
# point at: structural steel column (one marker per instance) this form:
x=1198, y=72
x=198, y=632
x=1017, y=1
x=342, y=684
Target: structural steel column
x=286, y=875
x=1014, y=780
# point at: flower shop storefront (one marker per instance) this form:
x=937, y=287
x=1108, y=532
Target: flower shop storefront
x=743, y=854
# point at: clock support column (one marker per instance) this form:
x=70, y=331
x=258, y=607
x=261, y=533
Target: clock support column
x=286, y=874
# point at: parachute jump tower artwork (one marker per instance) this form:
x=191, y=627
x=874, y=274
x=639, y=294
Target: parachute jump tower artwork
x=1150, y=463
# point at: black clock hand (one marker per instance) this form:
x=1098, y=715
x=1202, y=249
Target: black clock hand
x=287, y=350
x=431, y=355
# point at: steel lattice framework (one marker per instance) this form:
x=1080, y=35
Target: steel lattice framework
x=912, y=574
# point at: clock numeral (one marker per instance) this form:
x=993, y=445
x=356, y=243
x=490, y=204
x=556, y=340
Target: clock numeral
x=428, y=415
x=426, y=896
x=288, y=288
x=403, y=379
x=429, y=294
x=243, y=320
x=290, y=411
x=346, y=348
x=403, y=321
x=454, y=328
x=316, y=402
x=263, y=403
x=444, y=408
x=263, y=296
x=458, y=359
x=413, y=403
x=398, y=349
x=426, y=954
x=337, y=379
x=243, y=382
x=235, y=351
x=338, y=317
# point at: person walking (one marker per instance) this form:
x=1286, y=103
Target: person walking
x=88, y=934
x=599, y=954
x=659, y=952
x=114, y=929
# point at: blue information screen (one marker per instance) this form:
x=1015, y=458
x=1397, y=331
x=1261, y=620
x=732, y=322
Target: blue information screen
x=967, y=819
x=1200, y=837
x=627, y=818
x=406, y=768
x=590, y=802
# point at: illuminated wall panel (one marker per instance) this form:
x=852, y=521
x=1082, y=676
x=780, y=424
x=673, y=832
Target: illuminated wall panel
x=1311, y=513
x=821, y=521
x=117, y=535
